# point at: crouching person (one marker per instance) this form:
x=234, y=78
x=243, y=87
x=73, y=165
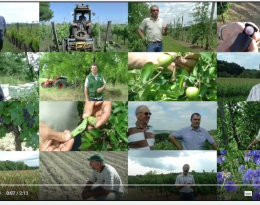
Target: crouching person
x=110, y=188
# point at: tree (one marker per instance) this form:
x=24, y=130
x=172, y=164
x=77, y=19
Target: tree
x=45, y=12
x=210, y=27
x=222, y=7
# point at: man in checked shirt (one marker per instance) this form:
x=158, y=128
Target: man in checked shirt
x=110, y=188
x=186, y=184
x=2, y=27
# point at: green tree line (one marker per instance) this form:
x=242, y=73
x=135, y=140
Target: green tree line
x=12, y=166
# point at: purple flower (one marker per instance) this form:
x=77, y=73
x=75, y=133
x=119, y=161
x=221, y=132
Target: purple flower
x=249, y=175
x=221, y=159
x=257, y=160
x=257, y=172
x=256, y=183
x=220, y=177
x=223, y=152
x=241, y=168
x=256, y=195
x=247, y=157
x=254, y=153
x=229, y=186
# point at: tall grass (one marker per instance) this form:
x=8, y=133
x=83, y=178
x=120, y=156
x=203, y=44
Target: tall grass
x=13, y=80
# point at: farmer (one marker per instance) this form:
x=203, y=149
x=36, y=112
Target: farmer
x=140, y=134
x=138, y=60
x=155, y=28
x=227, y=35
x=58, y=119
x=94, y=85
x=110, y=188
x=255, y=141
x=2, y=96
x=254, y=94
x=3, y=27
x=192, y=137
x=185, y=184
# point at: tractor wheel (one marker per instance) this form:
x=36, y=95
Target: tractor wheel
x=42, y=85
x=60, y=84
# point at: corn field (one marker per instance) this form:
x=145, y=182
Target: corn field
x=23, y=177
x=235, y=87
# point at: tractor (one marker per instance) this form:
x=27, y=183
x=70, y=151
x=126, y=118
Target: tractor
x=59, y=82
x=80, y=38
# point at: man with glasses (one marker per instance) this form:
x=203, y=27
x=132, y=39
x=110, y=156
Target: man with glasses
x=155, y=28
x=192, y=137
x=185, y=184
x=94, y=85
x=140, y=134
x=3, y=27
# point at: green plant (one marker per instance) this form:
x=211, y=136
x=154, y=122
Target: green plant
x=152, y=83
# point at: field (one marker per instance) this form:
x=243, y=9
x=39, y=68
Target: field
x=77, y=94
x=235, y=88
x=170, y=192
x=73, y=168
x=20, y=177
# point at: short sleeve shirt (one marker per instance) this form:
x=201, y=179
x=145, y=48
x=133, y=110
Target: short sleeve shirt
x=193, y=139
x=153, y=28
x=109, y=178
x=182, y=179
x=254, y=94
x=59, y=115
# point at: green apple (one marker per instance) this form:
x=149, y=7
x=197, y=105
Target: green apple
x=165, y=60
x=192, y=92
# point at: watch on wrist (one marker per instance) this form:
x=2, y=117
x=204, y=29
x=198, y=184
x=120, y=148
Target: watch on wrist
x=220, y=33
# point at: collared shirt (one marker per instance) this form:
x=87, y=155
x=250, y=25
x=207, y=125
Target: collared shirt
x=193, y=139
x=153, y=28
x=109, y=178
x=96, y=78
x=2, y=23
x=254, y=94
x=182, y=179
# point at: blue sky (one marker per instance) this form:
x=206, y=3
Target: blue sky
x=20, y=12
x=247, y=60
x=176, y=115
x=29, y=158
x=167, y=162
x=113, y=11
x=170, y=11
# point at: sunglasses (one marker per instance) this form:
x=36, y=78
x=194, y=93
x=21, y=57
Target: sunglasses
x=147, y=113
x=155, y=10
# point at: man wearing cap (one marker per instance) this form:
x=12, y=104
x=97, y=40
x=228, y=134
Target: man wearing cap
x=192, y=137
x=185, y=184
x=110, y=188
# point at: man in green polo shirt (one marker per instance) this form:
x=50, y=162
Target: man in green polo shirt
x=110, y=188
x=155, y=28
x=94, y=85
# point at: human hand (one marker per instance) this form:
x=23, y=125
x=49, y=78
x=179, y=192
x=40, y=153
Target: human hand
x=51, y=140
x=138, y=60
x=230, y=33
x=99, y=90
x=100, y=110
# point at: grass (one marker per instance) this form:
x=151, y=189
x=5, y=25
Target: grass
x=77, y=94
x=13, y=80
x=169, y=45
x=235, y=88
x=9, y=47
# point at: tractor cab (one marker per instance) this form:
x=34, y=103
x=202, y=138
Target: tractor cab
x=82, y=14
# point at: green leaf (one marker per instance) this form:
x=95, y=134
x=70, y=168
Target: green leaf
x=203, y=90
x=30, y=108
x=143, y=95
x=182, y=73
x=181, y=83
x=95, y=133
x=117, y=110
x=147, y=71
x=122, y=117
x=85, y=145
x=89, y=136
x=3, y=131
x=205, y=55
x=2, y=104
x=7, y=120
x=104, y=146
x=113, y=139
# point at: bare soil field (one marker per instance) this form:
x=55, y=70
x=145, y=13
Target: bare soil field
x=73, y=168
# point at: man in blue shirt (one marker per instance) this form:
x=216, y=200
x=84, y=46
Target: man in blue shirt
x=2, y=27
x=192, y=137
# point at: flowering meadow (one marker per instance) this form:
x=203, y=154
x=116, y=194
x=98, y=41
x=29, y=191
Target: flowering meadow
x=238, y=171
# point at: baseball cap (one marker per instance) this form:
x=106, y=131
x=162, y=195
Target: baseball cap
x=96, y=157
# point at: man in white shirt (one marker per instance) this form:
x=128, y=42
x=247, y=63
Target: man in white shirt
x=155, y=28
x=3, y=29
x=185, y=184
